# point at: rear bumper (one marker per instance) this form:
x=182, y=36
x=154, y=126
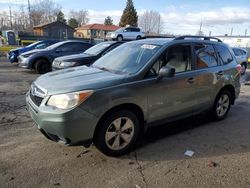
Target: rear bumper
x=67, y=127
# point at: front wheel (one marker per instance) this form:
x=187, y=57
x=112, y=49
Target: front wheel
x=42, y=66
x=119, y=38
x=118, y=133
x=222, y=105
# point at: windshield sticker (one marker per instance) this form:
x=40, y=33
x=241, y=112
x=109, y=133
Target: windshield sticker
x=148, y=46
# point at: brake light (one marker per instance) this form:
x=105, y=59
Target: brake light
x=238, y=67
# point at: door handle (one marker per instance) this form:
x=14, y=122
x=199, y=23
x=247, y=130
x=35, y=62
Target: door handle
x=191, y=80
x=220, y=73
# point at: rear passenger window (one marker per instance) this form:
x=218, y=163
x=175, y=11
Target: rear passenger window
x=206, y=57
x=224, y=54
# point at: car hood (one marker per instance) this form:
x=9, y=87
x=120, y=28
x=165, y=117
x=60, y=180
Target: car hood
x=77, y=79
x=21, y=50
x=34, y=51
x=75, y=57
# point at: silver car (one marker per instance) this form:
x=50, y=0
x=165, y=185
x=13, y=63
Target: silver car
x=242, y=58
x=126, y=33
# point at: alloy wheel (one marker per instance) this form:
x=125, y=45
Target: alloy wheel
x=119, y=133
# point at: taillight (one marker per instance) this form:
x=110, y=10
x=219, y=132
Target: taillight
x=238, y=67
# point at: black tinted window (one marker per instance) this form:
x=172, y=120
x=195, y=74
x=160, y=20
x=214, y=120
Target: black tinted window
x=206, y=57
x=66, y=48
x=224, y=54
x=237, y=52
x=135, y=29
x=80, y=47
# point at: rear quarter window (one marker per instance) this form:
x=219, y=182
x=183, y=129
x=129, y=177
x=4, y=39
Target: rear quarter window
x=224, y=54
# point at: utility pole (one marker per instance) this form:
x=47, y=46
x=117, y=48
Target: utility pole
x=232, y=29
x=29, y=13
x=245, y=32
x=10, y=17
x=200, y=27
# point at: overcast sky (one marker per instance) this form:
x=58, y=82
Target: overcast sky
x=180, y=17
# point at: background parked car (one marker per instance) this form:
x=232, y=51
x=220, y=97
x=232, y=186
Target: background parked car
x=126, y=33
x=41, y=60
x=242, y=58
x=86, y=58
x=13, y=54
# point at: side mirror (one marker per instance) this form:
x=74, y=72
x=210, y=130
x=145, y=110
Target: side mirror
x=166, y=71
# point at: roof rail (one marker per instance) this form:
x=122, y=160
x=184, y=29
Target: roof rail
x=198, y=37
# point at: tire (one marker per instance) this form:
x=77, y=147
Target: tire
x=42, y=66
x=110, y=137
x=119, y=38
x=243, y=68
x=138, y=37
x=222, y=105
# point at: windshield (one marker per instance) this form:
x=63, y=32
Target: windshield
x=53, y=46
x=128, y=58
x=120, y=30
x=33, y=44
x=95, y=50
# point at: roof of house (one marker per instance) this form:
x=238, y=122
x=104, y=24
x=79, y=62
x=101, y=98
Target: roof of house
x=49, y=23
x=99, y=27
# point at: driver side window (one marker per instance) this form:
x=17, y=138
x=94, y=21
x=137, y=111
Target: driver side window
x=178, y=57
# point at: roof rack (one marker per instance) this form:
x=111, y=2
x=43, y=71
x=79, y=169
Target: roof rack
x=197, y=37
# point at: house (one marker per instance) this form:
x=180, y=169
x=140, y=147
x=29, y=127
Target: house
x=91, y=31
x=57, y=29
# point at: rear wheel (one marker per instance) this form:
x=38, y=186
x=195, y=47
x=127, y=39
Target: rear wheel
x=222, y=105
x=118, y=133
x=243, y=68
x=42, y=66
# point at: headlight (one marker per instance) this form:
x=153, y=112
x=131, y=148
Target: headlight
x=67, y=64
x=69, y=100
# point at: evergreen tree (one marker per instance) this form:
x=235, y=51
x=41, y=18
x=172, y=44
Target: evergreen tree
x=129, y=16
x=60, y=17
x=108, y=21
x=73, y=23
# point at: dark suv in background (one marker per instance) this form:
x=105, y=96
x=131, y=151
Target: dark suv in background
x=136, y=85
x=86, y=58
x=41, y=60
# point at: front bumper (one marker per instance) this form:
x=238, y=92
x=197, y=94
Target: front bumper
x=67, y=127
x=23, y=62
x=12, y=57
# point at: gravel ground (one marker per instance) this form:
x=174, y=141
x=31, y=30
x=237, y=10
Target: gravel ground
x=27, y=159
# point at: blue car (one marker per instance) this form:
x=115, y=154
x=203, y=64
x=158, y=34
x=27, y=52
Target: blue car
x=13, y=54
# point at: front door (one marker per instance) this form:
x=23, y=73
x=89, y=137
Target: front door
x=172, y=96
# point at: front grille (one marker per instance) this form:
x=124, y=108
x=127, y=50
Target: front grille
x=36, y=94
x=37, y=100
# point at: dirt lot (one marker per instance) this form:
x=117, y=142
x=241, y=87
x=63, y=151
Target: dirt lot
x=28, y=159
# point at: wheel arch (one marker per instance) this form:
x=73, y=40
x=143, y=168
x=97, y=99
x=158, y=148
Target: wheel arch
x=37, y=59
x=229, y=88
x=126, y=106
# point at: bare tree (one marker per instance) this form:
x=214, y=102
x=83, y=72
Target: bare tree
x=81, y=16
x=151, y=22
x=43, y=11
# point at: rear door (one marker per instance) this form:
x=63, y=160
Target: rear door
x=209, y=73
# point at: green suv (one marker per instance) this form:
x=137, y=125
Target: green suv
x=139, y=84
